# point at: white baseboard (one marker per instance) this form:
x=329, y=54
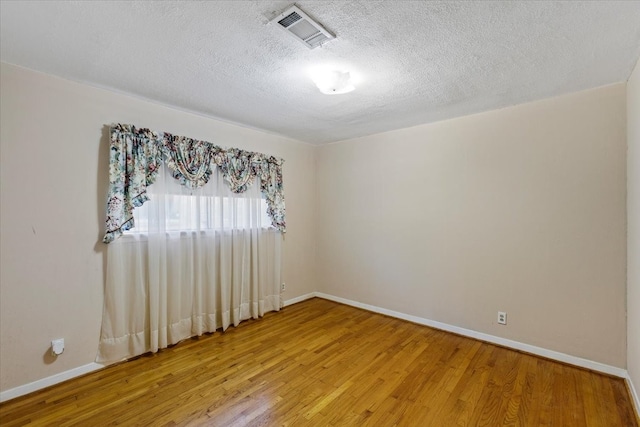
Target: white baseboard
x=49, y=381
x=539, y=351
x=300, y=298
x=634, y=395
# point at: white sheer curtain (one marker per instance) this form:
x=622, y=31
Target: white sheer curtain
x=196, y=261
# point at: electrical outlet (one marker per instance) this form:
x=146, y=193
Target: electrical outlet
x=283, y=287
x=502, y=317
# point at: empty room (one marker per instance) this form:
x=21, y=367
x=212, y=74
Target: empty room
x=322, y=213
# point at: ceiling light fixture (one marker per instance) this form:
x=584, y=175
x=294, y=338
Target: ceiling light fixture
x=333, y=82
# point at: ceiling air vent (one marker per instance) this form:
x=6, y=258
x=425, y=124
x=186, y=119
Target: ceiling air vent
x=297, y=23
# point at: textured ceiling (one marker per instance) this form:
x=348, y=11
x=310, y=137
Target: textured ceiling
x=416, y=62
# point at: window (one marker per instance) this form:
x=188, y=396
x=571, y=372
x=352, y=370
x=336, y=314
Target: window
x=193, y=213
x=174, y=208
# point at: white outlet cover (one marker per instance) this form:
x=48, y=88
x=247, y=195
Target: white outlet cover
x=502, y=317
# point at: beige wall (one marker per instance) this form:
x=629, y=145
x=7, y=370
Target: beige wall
x=633, y=227
x=520, y=210
x=54, y=155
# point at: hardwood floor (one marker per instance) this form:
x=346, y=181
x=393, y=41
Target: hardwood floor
x=319, y=363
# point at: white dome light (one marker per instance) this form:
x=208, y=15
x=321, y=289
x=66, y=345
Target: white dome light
x=333, y=82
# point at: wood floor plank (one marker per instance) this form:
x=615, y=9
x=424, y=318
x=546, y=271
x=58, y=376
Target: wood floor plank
x=320, y=363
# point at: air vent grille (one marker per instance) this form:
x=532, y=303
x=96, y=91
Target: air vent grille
x=298, y=24
x=290, y=19
x=316, y=40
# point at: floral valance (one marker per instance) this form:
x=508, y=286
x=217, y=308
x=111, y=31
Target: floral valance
x=136, y=155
